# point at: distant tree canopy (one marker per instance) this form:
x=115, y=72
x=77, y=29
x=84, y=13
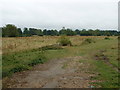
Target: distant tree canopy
x=12, y=31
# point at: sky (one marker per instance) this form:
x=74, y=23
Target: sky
x=55, y=14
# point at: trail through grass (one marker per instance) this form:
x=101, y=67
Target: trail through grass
x=24, y=60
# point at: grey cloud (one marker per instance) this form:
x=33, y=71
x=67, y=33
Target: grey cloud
x=54, y=14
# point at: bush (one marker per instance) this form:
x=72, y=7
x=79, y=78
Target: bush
x=37, y=61
x=64, y=41
x=88, y=40
x=19, y=68
x=107, y=38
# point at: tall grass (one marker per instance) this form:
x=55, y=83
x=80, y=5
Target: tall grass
x=17, y=44
x=26, y=58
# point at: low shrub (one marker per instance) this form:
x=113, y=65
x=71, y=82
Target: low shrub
x=88, y=40
x=19, y=68
x=35, y=62
x=107, y=38
x=5, y=73
x=64, y=41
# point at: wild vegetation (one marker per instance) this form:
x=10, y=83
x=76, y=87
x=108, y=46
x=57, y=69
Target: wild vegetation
x=98, y=51
x=12, y=31
x=64, y=41
x=21, y=50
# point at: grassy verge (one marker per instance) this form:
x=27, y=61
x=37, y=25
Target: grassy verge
x=107, y=76
x=105, y=73
x=19, y=61
x=16, y=62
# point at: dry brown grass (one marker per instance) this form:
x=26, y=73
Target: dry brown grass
x=24, y=43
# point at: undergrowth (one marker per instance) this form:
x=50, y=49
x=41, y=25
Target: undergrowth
x=20, y=61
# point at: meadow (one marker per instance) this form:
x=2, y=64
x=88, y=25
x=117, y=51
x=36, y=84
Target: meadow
x=26, y=43
x=101, y=52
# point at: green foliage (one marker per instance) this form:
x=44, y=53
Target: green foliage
x=107, y=38
x=11, y=31
x=36, y=61
x=19, y=32
x=26, y=32
x=16, y=62
x=64, y=41
x=67, y=32
x=19, y=68
x=88, y=40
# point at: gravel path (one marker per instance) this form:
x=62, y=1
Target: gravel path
x=59, y=73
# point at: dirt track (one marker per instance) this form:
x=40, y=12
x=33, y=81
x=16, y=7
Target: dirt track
x=59, y=73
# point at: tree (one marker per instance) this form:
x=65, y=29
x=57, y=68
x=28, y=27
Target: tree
x=77, y=32
x=48, y=32
x=10, y=31
x=54, y=33
x=39, y=32
x=26, y=32
x=69, y=32
x=33, y=31
x=20, y=32
x=45, y=32
x=83, y=32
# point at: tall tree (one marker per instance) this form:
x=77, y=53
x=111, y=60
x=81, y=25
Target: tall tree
x=77, y=32
x=45, y=32
x=20, y=32
x=10, y=31
x=26, y=32
x=39, y=32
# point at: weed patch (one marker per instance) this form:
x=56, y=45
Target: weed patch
x=64, y=41
x=88, y=41
x=20, y=61
x=107, y=38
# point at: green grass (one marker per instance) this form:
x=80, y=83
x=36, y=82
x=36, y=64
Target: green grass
x=20, y=61
x=17, y=62
x=107, y=75
x=106, y=72
x=112, y=54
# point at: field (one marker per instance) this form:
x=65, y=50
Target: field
x=27, y=43
x=96, y=60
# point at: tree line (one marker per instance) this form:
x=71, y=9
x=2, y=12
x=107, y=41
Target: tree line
x=12, y=31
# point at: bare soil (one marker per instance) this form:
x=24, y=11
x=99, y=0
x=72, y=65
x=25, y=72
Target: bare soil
x=58, y=73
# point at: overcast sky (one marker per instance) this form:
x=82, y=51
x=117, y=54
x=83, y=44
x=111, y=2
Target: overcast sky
x=54, y=14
